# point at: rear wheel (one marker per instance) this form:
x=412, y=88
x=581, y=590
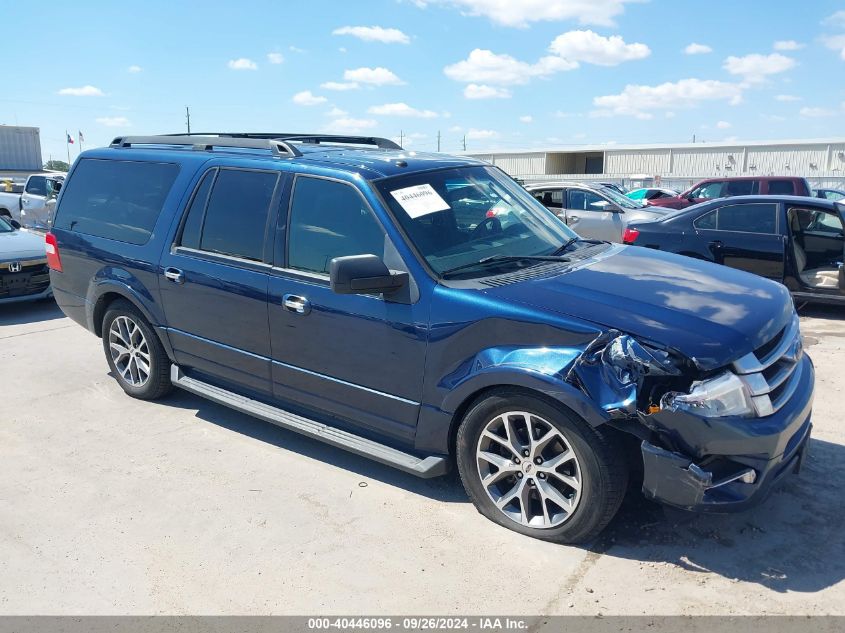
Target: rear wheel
x=134, y=353
x=539, y=469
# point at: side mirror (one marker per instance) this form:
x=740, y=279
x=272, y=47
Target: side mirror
x=364, y=274
x=615, y=208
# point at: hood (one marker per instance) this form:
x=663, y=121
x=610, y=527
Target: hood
x=709, y=313
x=21, y=245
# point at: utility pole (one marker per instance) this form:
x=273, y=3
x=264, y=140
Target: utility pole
x=188, y=117
x=465, y=142
x=401, y=138
x=693, y=138
x=438, y=140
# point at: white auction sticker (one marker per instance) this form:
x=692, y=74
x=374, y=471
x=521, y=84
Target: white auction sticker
x=419, y=200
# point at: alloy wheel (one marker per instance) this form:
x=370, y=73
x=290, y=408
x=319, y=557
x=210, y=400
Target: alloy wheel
x=129, y=351
x=529, y=469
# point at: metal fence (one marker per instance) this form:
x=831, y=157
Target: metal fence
x=628, y=181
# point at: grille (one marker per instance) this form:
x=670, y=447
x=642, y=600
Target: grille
x=772, y=371
x=33, y=278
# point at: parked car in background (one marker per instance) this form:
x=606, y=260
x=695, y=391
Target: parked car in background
x=713, y=188
x=651, y=193
x=23, y=264
x=830, y=194
x=364, y=297
x=34, y=204
x=797, y=241
x=612, y=185
x=592, y=211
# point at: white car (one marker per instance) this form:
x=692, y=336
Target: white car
x=24, y=275
x=32, y=207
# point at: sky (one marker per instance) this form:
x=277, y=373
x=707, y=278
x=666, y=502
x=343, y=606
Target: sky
x=503, y=74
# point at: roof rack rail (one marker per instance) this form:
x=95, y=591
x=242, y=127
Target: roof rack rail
x=207, y=142
x=316, y=139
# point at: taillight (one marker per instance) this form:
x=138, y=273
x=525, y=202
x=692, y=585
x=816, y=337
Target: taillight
x=630, y=236
x=490, y=214
x=53, y=259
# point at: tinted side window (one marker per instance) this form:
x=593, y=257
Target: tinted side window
x=329, y=219
x=708, y=190
x=37, y=185
x=781, y=188
x=196, y=212
x=706, y=221
x=550, y=199
x=749, y=218
x=119, y=200
x=586, y=200
x=741, y=187
x=236, y=216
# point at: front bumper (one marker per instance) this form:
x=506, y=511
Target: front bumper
x=703, y=470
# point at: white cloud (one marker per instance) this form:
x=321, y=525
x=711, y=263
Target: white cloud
x=342, y=49
x=275, y=58
x=402, y=109
x=836, y=43
x=774, y=118
x=521, y=13
x=755, y=68
x=474, y=134
x=339, y=85
x=835, y=20
x=83, y=91
x=723, y=125
x=697, y=49
x=295, y=49
x=373, y=76
x=639, y=101
x=590, y=47
x=242, y=63
x=485, y=66
x=134, y=68
x=374, y=34
x=337, y=112
x=527, y=118
x=560, y=114
x=347, y=125
x=307, y=98
x=113, y=121
x=787, y=45
x=787, y=98
x=481, y=91
x=455, y=128
x=812, y=113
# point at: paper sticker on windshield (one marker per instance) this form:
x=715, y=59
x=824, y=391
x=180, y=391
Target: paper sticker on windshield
x=419, y=200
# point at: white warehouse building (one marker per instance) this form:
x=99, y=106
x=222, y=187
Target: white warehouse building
x=822, y=162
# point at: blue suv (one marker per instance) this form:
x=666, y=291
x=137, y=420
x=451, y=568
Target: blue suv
x=427, y=312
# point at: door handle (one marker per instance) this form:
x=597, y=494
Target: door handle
x=716, y=245
x=175, y=275
x=297, y=304
x=574, y=218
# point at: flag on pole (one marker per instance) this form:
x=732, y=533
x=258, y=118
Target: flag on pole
x=69, y=139
x=80, y=137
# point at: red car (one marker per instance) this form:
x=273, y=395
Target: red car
x=736, y=186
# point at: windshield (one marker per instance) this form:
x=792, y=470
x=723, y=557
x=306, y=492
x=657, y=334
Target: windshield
x=459, y=216
x=5, y=227
x=623, y=201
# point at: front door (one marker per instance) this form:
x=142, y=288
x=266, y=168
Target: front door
x=214, y=279
x=359, y=358
x=747, y=236
x=587, y=213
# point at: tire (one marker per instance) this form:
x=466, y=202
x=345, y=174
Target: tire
x=143, y=371
x=588, y=479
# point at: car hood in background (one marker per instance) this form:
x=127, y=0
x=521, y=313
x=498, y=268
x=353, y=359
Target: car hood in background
x=709, y=313
x=669, y=203
x=21, y=245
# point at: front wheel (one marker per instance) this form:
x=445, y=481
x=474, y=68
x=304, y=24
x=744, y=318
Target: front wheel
x=539, y=469
x=134, y=353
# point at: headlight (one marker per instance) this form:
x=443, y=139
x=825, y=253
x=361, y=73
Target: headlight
x=724, y=395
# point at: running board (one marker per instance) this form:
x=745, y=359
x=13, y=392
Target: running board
x=431, y=466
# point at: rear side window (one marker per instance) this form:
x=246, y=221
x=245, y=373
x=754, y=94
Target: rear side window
x=196, y=212
x=118, y=200
x=37, y=185
x=744, y=218
x=741, y=187
x=236, y=216
x=781, y=188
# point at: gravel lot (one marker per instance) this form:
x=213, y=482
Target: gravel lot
x=109, y=505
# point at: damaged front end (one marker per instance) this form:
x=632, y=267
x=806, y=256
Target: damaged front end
x=709, y=440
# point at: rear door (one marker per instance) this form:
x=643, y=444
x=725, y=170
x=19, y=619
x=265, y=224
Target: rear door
x=214, y=277
x=587, y=214
x=747, y=236
x=33, y=200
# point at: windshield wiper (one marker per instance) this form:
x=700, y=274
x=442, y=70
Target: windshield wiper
x=502, y=259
